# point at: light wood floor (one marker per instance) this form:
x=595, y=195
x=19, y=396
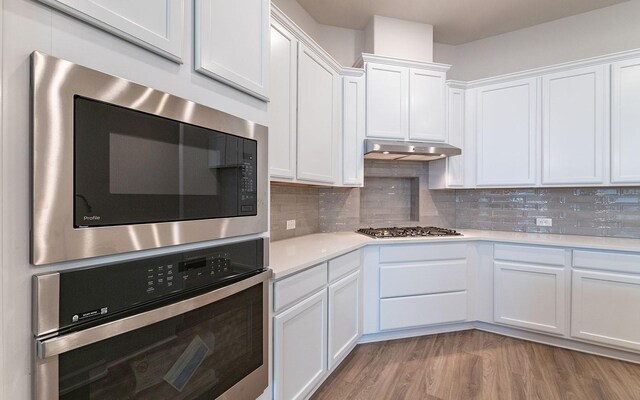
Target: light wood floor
x=477, y=365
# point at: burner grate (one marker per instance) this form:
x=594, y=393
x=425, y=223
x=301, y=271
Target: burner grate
x=413, y=231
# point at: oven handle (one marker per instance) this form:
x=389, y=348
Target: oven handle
x=62, y=344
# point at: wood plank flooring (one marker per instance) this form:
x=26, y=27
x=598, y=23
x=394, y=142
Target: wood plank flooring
x=477, y=365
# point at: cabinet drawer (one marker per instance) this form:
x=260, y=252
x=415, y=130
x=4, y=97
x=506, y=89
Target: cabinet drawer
x=341, y=266
x=422, y=252
x=423, y=278
x=298, y=286
x=608, y=261
x=530, y=254
x=407, y=312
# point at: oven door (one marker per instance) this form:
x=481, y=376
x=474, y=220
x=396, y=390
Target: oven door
x=210, y=346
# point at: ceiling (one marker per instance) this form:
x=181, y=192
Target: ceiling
x=454, y=21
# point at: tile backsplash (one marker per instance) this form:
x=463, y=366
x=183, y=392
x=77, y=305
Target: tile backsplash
x=396, y=193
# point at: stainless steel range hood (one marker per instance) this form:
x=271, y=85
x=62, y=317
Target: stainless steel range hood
x=407, y=151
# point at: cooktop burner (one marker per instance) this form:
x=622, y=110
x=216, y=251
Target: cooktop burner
x=381, y=233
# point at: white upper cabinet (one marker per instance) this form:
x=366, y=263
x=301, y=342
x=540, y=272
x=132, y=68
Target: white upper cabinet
x=318, y=107
x=157, y=25
x=427, y=105
x=283, y=104
x=406, y=100
x=456, y=165
x=507, y=133
x=625, y=122
x=387, y=101
x=232, y=43
x=574, y=129
x=353, y=128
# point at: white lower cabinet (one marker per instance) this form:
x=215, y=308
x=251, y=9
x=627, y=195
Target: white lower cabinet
x=606, y=304
x=529, y=287
x=318, y=323
x=344, y=317
x=300, y=352
x=421, y=285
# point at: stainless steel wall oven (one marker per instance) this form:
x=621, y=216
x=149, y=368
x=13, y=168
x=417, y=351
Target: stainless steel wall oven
x=190, y=325
x=119, y=167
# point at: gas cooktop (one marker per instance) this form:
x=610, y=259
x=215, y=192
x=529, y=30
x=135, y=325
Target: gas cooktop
x=412, y=231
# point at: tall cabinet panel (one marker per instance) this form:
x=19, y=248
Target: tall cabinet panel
x=318, y=88
x=574, y=126
x=353, y=129
x=387, y=101
x=242, y=62
x=427, y=105
x=283, y=103
x=456, y=165
x=507, y=133
x=625, y=122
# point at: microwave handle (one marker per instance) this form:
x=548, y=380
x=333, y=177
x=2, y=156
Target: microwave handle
x=62, y=344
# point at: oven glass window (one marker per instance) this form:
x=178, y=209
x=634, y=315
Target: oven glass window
x=132, y=167
x=198, y=355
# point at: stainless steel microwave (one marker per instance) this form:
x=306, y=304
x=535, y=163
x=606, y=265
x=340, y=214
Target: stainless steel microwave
x=119, y=167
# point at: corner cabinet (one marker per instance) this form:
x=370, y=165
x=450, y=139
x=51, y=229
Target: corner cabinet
x=406, y=100
x=305, y=108
x=625, y=122
x=243, y=62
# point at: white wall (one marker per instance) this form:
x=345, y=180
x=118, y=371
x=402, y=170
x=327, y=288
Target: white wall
x=399, y=38
x=603, y=31
x=28, y=26
x=345, y=45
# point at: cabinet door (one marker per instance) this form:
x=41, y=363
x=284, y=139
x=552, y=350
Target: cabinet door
x=455, y=165
x=606, y=308
x=625, y=122
x=243, y=61
x=283, y=103
x=353, y=130
x=156, y=25
x=387, y=101
x=344, y=317
x=529, y=296
x=573, y=132
x=427, y=105
x=317, y=101
x=507, y=134
x=299, y=351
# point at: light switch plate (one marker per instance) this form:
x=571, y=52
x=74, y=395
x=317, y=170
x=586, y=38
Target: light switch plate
x=291, y=224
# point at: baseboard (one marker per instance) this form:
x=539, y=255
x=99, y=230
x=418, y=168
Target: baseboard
x=408, y=333
x=565, y=343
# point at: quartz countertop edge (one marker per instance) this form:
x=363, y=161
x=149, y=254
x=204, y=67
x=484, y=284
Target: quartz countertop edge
x=290, y=256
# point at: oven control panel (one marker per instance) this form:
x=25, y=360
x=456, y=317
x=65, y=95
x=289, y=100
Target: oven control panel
x=95, y=292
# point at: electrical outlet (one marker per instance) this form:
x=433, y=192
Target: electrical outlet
x=291, y=224
x=544, y=222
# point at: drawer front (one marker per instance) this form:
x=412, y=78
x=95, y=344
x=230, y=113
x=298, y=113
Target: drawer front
x=608, y=261
x=341, y=266
x=422, y=252
x=407, y=312
x=530, y=254
x=298, y=286
x=424, y=278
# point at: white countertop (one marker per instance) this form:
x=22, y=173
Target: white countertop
x=293, y=255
